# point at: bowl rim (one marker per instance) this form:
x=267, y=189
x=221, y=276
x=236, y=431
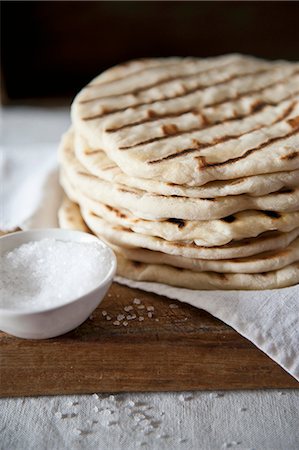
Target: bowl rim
x=7, y=312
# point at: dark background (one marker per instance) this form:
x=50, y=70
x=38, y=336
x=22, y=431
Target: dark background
x=51, y=49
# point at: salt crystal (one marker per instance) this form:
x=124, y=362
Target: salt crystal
x=95, y=396
x=173, y=306
x=129, y=317
x=76, y=431
x=125, y=323
x=141, y=318
x=108, y=317
x=128, y=308
x=96, y=409
x=150, y=308
x=104, y=313
x=181, y=398
x=141, y=307
x=111, y=397
x=133, y=316
x=116, y=322
x=58, y=414
x=150, y=315
x=69, y=403
x=41, y=274
x=131, y=403
x=157, y=320
x=120, y=317
x=136, y=301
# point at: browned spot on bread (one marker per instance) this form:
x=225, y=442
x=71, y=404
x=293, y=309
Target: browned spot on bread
x=286, y=190
x=116, y=211
x=257, y=106
x=201, y=162
x=229, y=219
x=126, y=190
x=92, y=152
x=222, y=276
x=169, y=129
x=294, y=122
x=205, y=121
x=151, y=114
x=88, y=175
x=179, y=222
x=272, y=214
x=137, y=264
x=290, y=156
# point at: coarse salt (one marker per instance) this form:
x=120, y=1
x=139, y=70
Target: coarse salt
x=48, y=273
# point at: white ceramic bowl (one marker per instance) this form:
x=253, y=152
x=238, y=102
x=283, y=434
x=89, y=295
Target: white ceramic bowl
x=50, y=322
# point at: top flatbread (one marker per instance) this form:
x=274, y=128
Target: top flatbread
x=191, y=121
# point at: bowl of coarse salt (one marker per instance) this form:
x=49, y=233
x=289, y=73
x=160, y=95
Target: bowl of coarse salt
x=51, y=280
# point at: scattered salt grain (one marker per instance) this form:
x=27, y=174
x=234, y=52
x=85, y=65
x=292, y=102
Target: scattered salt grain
x=108, y=318
x=116, y=322
x=42, y=273
x=136, y=301
x=157, y=320
x=129, y=317
x=125, y=323
x=128, y=308
x=141, y=318
x=150, y=315
x=68, y=404
x=150, y=308
x=181, y=398
x=96, y=409
x=104, y=313
x=141, y=307
x=120, y=317
x=58, y=415
x=95, y=396
x=173, y=306
x=111, y=398
x=76, y=431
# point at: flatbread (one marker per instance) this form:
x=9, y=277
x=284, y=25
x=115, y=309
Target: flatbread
x=69, y=216
x=205, y=233
x=151, y=206
x=184, y=278
x=99, y=164
x=124, y=237
x=193, y=121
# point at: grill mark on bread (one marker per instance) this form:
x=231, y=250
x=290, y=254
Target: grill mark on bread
x=116, y=211
x=168, y=79
x=272, y=214
x=179, y=222
x=206, y=125
x=200, y=146
x=290, y=156
x=252, y=150
x=229, y=219
x=154, y=116
x=107, y=112
x=136, y=72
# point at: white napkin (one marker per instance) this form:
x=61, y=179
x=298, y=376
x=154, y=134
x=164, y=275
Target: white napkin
x=269, y=319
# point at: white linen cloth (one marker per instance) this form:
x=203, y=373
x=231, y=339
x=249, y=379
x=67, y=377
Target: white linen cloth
x=248, y=420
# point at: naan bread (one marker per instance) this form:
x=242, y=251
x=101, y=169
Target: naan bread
x=151, y=206
x=191, y=121
x=206, y=232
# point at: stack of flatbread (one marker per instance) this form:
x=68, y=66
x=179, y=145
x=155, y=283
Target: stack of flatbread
x=189, y=169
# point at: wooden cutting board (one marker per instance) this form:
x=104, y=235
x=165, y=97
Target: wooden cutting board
x=178, y=348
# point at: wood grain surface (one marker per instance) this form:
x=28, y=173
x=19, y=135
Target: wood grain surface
x=178, y=348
